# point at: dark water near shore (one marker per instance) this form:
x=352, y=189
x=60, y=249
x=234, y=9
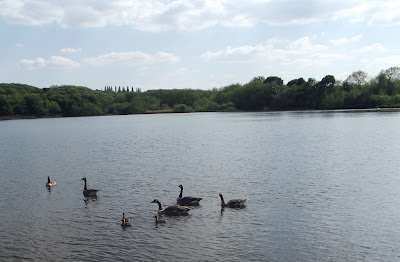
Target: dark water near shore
x=323, y=186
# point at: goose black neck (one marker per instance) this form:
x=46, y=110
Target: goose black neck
x=85, y=188
x=48, y=179
x=222, y=200
x=159, y=205
x=180, y=195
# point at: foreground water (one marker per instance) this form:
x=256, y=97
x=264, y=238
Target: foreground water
x=323, y=186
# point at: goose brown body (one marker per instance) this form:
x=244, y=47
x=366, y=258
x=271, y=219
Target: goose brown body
x=175, y=210
x=159, y=220
x=234, y=203
x=126, y=222
x=125, y=218
x=50, y=183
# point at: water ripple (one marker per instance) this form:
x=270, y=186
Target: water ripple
x=317, y=190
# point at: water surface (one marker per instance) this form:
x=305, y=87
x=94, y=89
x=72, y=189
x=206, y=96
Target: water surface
x=323, y=186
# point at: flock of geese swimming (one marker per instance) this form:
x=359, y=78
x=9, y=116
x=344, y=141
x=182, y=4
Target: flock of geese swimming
x=180, y=209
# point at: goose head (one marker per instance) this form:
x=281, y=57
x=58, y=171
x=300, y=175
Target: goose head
x=159, y=204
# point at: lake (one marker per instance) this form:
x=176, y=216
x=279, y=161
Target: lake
x=322, y=186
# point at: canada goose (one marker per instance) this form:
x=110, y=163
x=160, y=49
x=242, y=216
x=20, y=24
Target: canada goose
x=174, y=210
x=89, y=192
x=158, y=220
x=125, y=218
x=126, y=223
x=50, y=183
x=234, y=203
x=188, y=200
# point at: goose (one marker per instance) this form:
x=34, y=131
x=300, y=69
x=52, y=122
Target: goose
x=174, y=210
x=50, y=183
x=126, y=222
x=234, y=203
x=125, y=218
x=89, y=192
x=187, y=200
x=158, y=220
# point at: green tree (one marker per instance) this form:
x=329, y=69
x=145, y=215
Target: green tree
x=380, y=85
x=275, y=79
x=54, y=108
x=34, y=105
x=258, y=79
x=257, y=95
x=327, y=82
x=298, y=82
x=181, y=108
x=137, y=105
x=90, y=109
x=5, y=107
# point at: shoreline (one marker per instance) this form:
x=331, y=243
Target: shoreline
x=170, y=111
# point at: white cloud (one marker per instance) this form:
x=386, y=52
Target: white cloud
x=377, y=47
x=355, y=13
x=230, y=52
x=115, y=58
x=19, y=45
x=183, y=15
x=289, y=59
x=133, y=58
x=34, y=12
x=344, y=40
x=32, y=64
x=51, y=62
x=299, y=50
x=70, y=50
x=374, y=12
x=389, y=61
x=304, y=44
x=388, y=13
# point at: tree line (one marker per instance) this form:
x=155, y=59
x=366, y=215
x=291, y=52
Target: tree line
x=358, y=91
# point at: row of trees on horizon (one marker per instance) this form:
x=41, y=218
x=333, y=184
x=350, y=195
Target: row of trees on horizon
x=123, y=89
x=356, y=92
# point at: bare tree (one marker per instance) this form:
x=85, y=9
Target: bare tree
x=358, y=78
x=392, y=73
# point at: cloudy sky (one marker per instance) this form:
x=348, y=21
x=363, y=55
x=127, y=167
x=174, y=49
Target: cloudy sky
x=167, y=44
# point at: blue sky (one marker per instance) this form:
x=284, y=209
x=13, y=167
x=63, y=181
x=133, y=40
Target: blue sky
x=168, y=44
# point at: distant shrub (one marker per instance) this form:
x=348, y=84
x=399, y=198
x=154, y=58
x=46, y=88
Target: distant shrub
x=54, y=108
x=181, y=108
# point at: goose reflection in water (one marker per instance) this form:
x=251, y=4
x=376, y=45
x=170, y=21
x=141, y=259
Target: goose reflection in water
x=89, y=199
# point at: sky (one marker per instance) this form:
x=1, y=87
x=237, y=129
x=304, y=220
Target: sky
x=191, y=44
